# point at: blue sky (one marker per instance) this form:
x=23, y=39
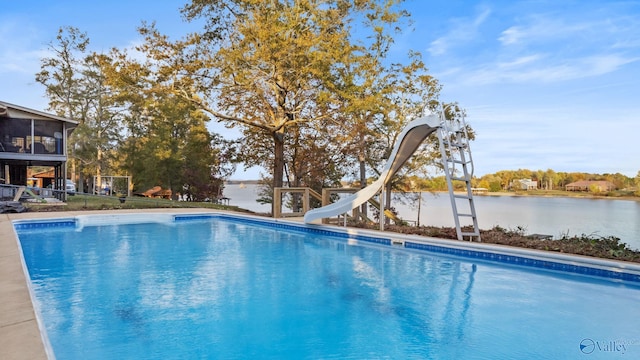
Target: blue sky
x=546, y=84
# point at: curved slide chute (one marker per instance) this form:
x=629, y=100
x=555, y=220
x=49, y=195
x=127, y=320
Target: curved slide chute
x=408, y=142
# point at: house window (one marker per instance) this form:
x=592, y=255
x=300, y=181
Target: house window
x=15, y=135
x=47, y=137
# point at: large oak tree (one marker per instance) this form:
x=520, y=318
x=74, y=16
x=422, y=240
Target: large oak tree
x=267, y=66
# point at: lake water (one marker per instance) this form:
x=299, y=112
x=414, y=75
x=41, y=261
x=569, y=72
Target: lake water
x=554, y=216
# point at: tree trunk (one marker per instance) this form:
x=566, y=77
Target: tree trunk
x=74, y=177
x=363, y=183
x=363, y=173
x=99, y=173
x=387, y=202
x=278, y=162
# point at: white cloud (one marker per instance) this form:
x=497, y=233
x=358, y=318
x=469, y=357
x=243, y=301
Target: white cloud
x=438, y=46
x=463, y=31
x=579, y=29
x=603, y=64
x=16, y=41
x=543, y=29
x=523, y=60
x=541, y=47
x=510, y=36
x=539, y=68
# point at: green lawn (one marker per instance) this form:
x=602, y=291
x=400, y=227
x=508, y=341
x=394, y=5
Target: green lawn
x=95, y=202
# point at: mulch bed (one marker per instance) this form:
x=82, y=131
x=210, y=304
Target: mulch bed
x=600, y=247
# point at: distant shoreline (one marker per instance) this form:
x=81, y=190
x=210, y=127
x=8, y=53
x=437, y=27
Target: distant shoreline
x=572, y=195
x=245, y=182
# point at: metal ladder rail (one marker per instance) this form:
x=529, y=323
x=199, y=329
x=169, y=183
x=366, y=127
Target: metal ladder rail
x=465, y=160
x=449, y=149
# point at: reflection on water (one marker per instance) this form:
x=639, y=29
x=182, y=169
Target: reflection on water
x=543, y=215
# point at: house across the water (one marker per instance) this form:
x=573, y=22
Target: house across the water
x=589, y=185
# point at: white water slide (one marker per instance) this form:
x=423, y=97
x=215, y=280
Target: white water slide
x=408, y=142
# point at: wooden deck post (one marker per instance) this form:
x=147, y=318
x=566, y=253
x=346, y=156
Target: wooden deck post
x=277, y=202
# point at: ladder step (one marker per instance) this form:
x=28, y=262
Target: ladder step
x=459, y=178
x=456, y=161
x=470, y=233
x=454, y=143
x=466, y=215
x=463, y=197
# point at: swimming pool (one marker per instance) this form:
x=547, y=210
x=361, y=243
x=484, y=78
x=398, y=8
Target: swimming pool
x=220, y=286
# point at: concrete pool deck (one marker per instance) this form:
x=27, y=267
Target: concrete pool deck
x=20, y=336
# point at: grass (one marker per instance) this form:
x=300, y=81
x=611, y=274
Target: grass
x=81, y=202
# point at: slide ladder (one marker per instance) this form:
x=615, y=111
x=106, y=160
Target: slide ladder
x=458, y=165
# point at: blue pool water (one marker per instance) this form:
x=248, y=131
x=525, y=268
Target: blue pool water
x=219, y=288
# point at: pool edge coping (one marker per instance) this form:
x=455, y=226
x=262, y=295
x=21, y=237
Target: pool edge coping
x=416, y=242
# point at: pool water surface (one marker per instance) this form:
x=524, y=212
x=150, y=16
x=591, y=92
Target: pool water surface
x=223, y=288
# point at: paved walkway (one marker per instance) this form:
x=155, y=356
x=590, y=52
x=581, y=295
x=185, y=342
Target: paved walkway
x=19, y=334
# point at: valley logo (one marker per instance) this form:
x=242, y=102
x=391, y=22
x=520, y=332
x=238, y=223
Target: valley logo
x=588, y=346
